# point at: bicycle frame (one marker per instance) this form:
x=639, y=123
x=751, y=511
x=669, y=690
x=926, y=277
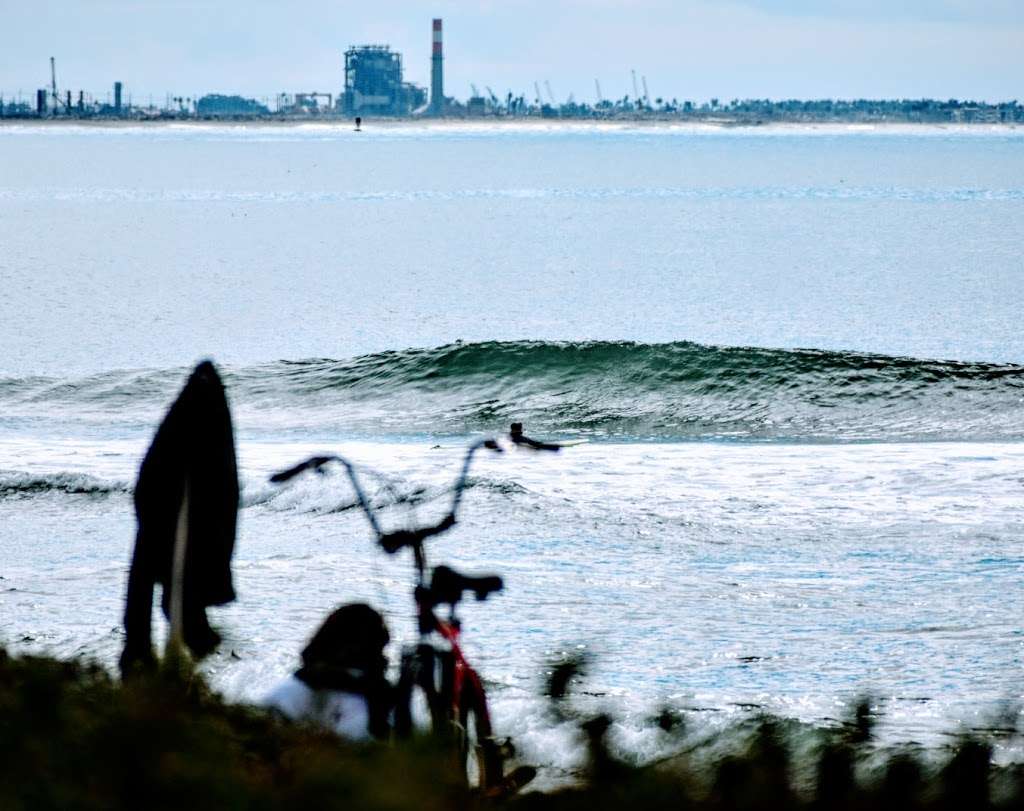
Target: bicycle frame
x=464, y=675
x=457, y=675
x=461, y=691
x=455, y=695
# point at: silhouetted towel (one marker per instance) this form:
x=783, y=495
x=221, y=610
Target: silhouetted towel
x=194, y=443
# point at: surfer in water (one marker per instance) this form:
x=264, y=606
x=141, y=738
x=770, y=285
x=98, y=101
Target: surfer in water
x=518, y=438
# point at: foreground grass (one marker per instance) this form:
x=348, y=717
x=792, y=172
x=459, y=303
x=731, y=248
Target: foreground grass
x=71, y=737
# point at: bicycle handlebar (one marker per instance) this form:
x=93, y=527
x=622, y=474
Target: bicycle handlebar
x=314, y=462
x=392, y=542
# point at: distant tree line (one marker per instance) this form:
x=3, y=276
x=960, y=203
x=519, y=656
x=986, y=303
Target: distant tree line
x=741, y=111
x=765, y=110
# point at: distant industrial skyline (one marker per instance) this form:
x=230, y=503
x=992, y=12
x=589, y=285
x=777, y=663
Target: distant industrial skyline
x=687, y=49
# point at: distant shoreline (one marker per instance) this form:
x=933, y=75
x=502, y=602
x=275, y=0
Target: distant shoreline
x=521, y=123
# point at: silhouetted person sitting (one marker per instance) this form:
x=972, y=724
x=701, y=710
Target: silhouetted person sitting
x=517, y=437
x=341, y=684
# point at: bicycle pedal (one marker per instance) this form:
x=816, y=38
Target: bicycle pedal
x=512, y=783
x=506, y=749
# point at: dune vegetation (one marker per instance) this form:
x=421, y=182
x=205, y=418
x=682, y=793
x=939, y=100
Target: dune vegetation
x=74, y=737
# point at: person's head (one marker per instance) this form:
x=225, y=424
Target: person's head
x=517, y=429
x=353, y=636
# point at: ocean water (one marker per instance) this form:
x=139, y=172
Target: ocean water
x=795, y=354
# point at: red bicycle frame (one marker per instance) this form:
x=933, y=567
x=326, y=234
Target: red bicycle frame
x=463, y=676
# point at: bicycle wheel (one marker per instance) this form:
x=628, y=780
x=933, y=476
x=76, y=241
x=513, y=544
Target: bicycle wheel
x=479, y=757
x=418, y=703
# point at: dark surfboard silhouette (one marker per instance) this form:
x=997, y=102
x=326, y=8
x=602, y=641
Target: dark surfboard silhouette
x=188, y=486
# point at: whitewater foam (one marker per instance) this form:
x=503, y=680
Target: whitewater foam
x=14, y=483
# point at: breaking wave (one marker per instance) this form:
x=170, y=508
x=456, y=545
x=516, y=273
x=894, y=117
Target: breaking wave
x=604, y=390
x=15, y=483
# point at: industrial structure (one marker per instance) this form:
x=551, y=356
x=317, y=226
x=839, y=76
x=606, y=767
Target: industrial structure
x=216, y=105
x=373, y=83
x=437, y=72
x=374, y=86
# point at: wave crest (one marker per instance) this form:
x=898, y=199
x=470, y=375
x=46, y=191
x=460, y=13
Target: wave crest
x=15, y=483
x=624, y=390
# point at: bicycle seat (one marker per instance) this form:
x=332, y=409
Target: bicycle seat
x=391, y=542
x=447, y=586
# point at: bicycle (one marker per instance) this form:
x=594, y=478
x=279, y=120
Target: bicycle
x=454, y=693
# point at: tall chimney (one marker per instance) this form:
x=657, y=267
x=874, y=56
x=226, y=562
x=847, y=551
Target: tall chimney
x=437, y=73
x=117, y=98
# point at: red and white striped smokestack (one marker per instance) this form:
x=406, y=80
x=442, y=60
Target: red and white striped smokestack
x=437, y=72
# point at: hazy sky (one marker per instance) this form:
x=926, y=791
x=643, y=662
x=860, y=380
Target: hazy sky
x=688, y=49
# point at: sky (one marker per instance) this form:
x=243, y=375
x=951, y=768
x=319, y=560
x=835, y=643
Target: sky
x=687, y=49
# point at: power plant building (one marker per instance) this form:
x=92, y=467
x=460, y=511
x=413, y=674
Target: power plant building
x=373, y=83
